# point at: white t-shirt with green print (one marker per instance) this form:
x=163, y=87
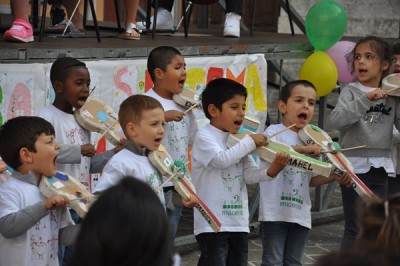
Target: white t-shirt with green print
x=220, y=176
x=287, y=197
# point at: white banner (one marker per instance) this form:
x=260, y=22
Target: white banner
x=25, y=89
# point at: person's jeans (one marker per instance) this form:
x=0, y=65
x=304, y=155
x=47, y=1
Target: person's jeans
x=173, y=202
x=283, y=243
x=223, y=249
x=174, y=216
x=65, y=252
x=376, y=180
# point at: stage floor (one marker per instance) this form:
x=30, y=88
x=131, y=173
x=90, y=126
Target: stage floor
x=201, y=42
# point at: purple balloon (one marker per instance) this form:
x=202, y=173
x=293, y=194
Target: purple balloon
x=338, y=54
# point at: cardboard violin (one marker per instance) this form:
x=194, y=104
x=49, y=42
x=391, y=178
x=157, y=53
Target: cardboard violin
x=311, y=134
x=391, y=83
x=298, y=160
x=96, y=116
x=165, y=165
x=62, y=184
x=187, y=98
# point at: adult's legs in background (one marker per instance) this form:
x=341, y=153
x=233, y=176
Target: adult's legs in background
x=234, y=10
x=21, y=29
x=132, y=32
x=77, y=18
x=164, y=16
x=235, y=6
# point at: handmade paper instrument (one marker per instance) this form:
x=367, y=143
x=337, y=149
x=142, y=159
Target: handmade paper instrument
x=298, y=160
x=96, y=116
x=391, y=83
x=165, y=164
x=188, y=99
x=63, y=184
x=311, y=134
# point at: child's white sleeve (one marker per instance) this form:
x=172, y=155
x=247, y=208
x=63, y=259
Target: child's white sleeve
x=255, y=172
x=112, y=174
x=209, y=151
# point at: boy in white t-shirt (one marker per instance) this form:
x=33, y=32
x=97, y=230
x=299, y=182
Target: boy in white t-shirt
x=70, y=79
x=285, y=204
x=219, y=174
x=167, y=69
x=142, y=120
x=31, y=225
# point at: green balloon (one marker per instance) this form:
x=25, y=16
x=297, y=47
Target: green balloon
x=326, y=22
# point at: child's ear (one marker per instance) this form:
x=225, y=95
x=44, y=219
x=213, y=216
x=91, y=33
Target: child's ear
x=25, y=155
x=130, y=130
x=58, y=87
x=212, y=110
x=385, y=65
x=158, y=73
x=282, y=107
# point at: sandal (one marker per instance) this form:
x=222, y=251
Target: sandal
x=131, y=32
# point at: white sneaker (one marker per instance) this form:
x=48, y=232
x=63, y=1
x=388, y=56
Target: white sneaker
x=232, y=25
x=164, y=21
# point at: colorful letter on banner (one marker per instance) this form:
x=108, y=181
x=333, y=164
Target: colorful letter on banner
x=254, y=87
x=239, y=78
x=120, y=84
x=194, y=77
x=214, y=73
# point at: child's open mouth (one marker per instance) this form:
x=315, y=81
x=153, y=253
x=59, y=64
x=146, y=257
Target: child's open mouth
x=362, y=71
x=238, y=123
x=181, y=83
x=302, y=117
x=81, y=101
x=83, y=98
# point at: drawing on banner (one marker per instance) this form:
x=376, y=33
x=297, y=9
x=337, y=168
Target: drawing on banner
x=141, y=79
x=115, y=80
x=121, y=80
x=125, y=80
x=20, y=101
